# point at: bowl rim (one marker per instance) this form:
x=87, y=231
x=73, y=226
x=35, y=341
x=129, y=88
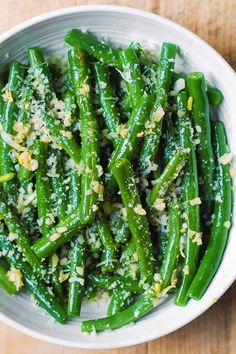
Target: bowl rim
x=142, y=13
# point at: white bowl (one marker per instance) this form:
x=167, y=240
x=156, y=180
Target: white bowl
x=121, y=25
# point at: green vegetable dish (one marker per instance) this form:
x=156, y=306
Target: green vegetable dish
x=115, y=177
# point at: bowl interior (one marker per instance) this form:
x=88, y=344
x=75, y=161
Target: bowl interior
x=121, y=26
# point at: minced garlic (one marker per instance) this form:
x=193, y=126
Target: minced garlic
x=227, y=224
x=158, y=114
x=122, y=131
x=138, y=209
x=15, y=276
x=195, y=201
x=225, y=159
x=159, y=204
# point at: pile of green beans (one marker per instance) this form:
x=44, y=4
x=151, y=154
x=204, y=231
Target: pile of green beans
x=116, y=182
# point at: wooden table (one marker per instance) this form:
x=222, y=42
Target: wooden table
x=215, y=331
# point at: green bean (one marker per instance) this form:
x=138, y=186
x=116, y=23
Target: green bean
x=110, y=281
x=109, y=247
x=119, y=227
x=171, y=254
x=43, y=188
x=132, y=74
x=25, y=175
x=170, y=173
x=10, y=111
x=128, y=145
x=169, y=140
x=90, y=195
x=152, y=139
x=197, y=90
x=76, y=280
x=57, y=179
x=17, y=231
x=100, y=50
x=214, y=95
x=5, y=282
x=129, y=260
x=107, y=100
x=70, y=107
x=63, y=137
x=42, y=75
x=74, y=190
x=221, y=221
x=54, y=272
x=192, y=210
x=58, y=235
x=1, y=99
x=33, y=284
x=141, y=307
x=120, y=299
x=137, y=219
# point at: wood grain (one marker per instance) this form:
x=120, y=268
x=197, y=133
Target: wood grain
x=214, y=331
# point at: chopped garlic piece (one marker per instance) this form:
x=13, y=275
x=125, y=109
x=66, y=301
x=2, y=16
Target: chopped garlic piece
x=9, y=139
x=97, y=187
x=55, y=260
x=195, y=201
x=55, y=236
x=84, y=89
x=140, y=134
x=122, y=131
x=94, y=207
x=227, y=224
x=158, y=114
x=186, y=269
x=198, y=238
x=100, y=170
x=63, y=277
x=8, y=96
x=191, y=233
x=15, y=276
x=66, y=134
x=138, y=209
x=12, y=236
x=80, y=270
x=159, y=204
x=179, y=85
x=225, y=159
x=25, y=159
x=198, y=128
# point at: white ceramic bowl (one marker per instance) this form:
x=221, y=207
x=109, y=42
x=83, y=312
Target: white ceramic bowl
x=121, y=25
